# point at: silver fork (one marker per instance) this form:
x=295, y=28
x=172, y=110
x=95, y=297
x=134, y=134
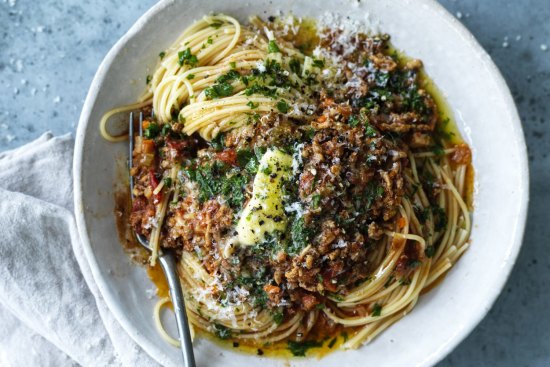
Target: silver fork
x=167, y=259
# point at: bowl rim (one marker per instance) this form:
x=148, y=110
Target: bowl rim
x=457, y=338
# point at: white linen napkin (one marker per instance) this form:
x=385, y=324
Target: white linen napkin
x=51, y=311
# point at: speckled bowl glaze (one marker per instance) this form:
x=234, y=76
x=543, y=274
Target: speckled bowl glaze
x=481, y=104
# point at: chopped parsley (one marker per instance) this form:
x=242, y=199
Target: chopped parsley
x=187, y=58
x=244, y=156
x=152, y=130
x=190, y=76
x=370, y=131
x=162, y=54
x=299, y=349
x=440, y=218
x=389, y=281
x=310, y=133
x=222, y=88
x=266, y=170
x=438, y=150
x=229, y=77
x=216, y=25
x=441, y=130
x=165, y=129
x=272, y=47
x=148, y=79
x=254, y=284
x=319, y=63
x=299, y=234
x=250, y=160
x=219, y=90
x=376, y=310
x=218, y=142
x=315, y=200
x=412, y=100
x=261, y=89
x=294, y=66
x=167, y=181
x=373, y=192
x=404, y=281
x=344, y=336
x=429, y=251
x=252, y=105
x=222, y=332
x=282, y=106
x=278, y=317
x=218, y=179
x=353, y=121
x=259, y=298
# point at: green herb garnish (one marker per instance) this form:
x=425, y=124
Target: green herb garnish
x=319, y=63
x=152, y=130
x=219, y=90
x=282, y=106
x=294, y=66
x=216, y=24
x=252, y=105
x=373, y=192
x=299, y=234
x=315, y=200
x=429, y=251
x=370, y=131
x=218, y=142
x=272, y=47
x=353, y=121
x=222, y=332
x=299, y=349
x=278, y=317
x=187, y=58
x=376, y=310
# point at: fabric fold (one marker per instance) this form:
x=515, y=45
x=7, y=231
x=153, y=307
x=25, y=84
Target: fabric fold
x=50, y=307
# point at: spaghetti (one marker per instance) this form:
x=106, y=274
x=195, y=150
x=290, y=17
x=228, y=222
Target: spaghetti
x=306, y=180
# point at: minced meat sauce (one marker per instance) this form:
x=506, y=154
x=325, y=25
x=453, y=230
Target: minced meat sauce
x=343, y=193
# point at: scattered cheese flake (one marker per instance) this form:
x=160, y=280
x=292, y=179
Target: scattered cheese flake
x=18, y=65
x=261, y=67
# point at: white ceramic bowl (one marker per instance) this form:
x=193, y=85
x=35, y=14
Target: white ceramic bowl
x=486, y=116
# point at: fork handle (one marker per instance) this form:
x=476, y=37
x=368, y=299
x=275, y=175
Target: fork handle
x=168, y=262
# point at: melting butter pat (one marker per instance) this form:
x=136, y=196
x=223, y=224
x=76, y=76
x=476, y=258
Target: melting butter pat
x=264, y=212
